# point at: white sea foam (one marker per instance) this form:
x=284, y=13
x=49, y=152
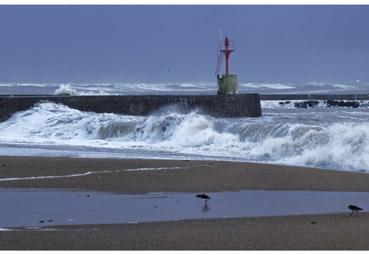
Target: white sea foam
x=267, y=85
x=154, y=168
x=17, y=84
x=344, y=86
x=273, y=104
x=65, y=89
x=42, y=177
x=207, y=87
x=328, y=138
x=7, y=179
x=106, y=88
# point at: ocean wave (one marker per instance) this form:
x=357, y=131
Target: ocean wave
x=19, y=84
x=205, y=87
x=65, y=89
x=277, y=86
x=321, y=139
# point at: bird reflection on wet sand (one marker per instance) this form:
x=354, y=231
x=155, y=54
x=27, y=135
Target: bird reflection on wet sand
x=205, y=207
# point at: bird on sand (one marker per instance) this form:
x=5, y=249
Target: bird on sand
x=354, y=208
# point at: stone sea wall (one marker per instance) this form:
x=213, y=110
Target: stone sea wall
x=242, y=105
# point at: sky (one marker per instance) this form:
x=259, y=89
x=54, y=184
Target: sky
x=179, y=43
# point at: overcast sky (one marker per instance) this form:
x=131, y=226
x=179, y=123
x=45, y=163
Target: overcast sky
x=138, y=43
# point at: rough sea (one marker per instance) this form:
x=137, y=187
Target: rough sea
x=321, y=137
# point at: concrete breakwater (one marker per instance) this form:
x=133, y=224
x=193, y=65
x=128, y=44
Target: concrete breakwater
x=242, y=105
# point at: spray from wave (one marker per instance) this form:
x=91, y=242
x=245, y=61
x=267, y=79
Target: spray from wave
x=320, y=140
x=65, y=89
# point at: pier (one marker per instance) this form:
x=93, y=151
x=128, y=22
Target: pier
x=240, y=105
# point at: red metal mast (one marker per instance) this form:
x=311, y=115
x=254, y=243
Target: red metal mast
x=227, y=49
x=227, y=52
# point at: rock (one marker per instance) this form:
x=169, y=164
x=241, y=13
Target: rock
x=331, y=103
x=285, y=102
x=306, y=104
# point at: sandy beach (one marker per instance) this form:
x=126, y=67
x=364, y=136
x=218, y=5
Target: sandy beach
x=140, y=176
x=335, y=231
x=311, y=232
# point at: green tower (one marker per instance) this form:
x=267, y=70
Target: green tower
x=227, y=84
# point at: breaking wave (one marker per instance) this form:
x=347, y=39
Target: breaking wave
x=65, y=89
x=317, y=140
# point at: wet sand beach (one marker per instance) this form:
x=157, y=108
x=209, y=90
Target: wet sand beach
x=141, y=176
x=310, y=232
x=335, y=231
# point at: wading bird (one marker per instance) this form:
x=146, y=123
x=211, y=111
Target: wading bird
x=354, y=208
x=203, y=196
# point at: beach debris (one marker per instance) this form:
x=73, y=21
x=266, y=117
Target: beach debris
x=41, y=221
x=354, y=208
x=313, y=222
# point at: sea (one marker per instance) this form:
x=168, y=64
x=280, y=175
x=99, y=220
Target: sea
x=320, y=137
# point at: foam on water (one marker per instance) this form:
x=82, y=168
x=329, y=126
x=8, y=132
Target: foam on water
x=27, y=178
x=268, y=85
x=327, y=138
